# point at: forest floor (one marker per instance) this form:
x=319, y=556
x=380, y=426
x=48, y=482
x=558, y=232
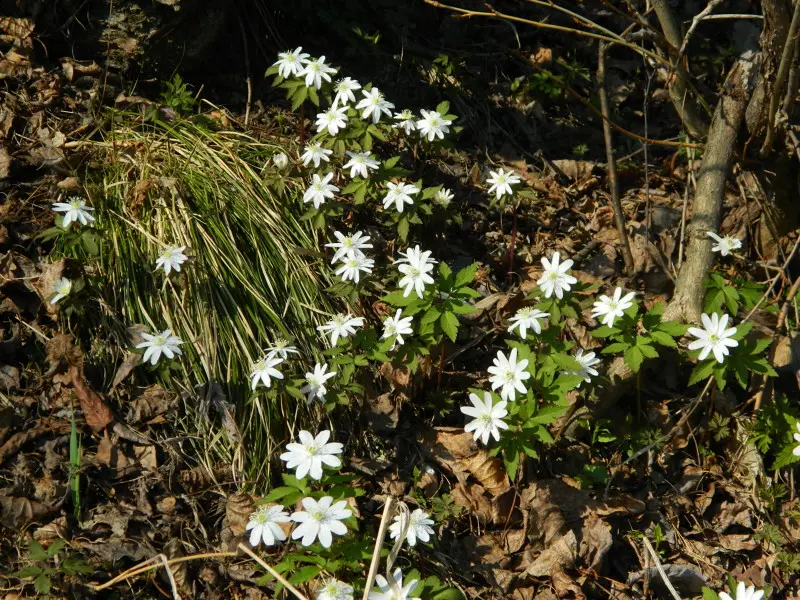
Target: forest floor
x=693, y=478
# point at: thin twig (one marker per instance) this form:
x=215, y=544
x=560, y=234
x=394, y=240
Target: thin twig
x=661, y=572
x=376, y=553
x=171, y=577
x=298, y=594
x=613, y=180
x=248, y=77
x=151, y=563
x=774, y=281
x=695, y=22
x=780, y=80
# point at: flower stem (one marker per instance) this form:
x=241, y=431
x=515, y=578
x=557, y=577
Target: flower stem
x=511, y=246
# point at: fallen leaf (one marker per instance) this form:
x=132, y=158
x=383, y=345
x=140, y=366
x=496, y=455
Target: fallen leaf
x=9, y=377
x=129, y=363
x=152, y=402
x=95, y=411
x=17, y=512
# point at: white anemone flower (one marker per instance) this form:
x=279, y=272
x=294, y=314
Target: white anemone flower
x=320, y=520
x=264, y=525
x=724, y=245
x=395, y=590
x=419, y=527
x=161, y=343
x=796, y=450
x=315, y=383
x=348, y=245
x=264, y=370
x=334, y=589
x=487, y=418
x=502, y=181
x=361, y=163
x=332, y=119
x=587, y=362
x=171, y=259
x=280, y=160
x=320, y=189
x=397, y=326
x=352, y=267
x=374, y=105
x=344, y=89
x=555, y=279
x=610, y=309
x=314, y=153
x=432, y=125
x=509, y=375
x=282, y=349
x=61, y=289
x=341, y=326
x=311, y=453
x=291, y=62
x=715, y=337
x=405, y=121
x=75, y=211
x=443, y=197
x=526, y=318
x=399, y=194
x=416, y=276
x=743, y=593
x=315, y=71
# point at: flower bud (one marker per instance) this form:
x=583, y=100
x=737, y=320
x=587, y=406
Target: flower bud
x=280, y=160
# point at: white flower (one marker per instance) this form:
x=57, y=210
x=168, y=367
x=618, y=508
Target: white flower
x=743, y=593
x=394, y=591
x=264, y=525
x=335, y=590
x=397, y=327
x=344, y=89
x=796, y=450
x=724, y=245
x=487, y=418
x=282, y=349
x=554, y=279
x=315, y=383
x=415, y=267
x=432, y=125
x=352, y=267
x=509, y=374
x=374, y=104
x=264, y=370
x=419, y=527
x=399, y=194
x=341, y=326
x=360, y=163
x=443, y=197
x=291, y=62
x=320, y=520
x=320, y=189
x=332, y=119
x=417, y=256
x=525, y=318
x=715, y=337
x=280, y=160
x=315, y=71
x=75, y=210
x=61, y=289
x=348, y=245
x=612, y=308
x=502, y=181
x=311, y=453
x=587, y=361
x=405, y=121
x=314, y=152
x=171, y=259
x=161, y=342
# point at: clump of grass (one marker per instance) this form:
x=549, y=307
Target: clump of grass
x=249, y=282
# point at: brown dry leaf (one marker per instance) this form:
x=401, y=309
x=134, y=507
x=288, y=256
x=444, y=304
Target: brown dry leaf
x=110, y=455
x=16, y=512
x=473, y=498
x=61, y=352
x=382, y=414
x=153, y=401
x=147, y=457
x=129, y=363
x=40, y=428
x=488, y=470
x=237, y=512
x=95, y=411
x=9, y=377
x=17, y=27
x=5, y=163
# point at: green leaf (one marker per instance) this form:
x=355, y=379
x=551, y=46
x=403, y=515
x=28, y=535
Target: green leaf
x=397, y=299
x=304, y=574
x=42, y=584
x=663, y=338
x=605, y=331
x=25, y=572
x=402, y=227
x=647, y=350
x=709, y=594
x=279, y=493
x=449, y=323
x=35, y=551
x=466, y=276
x=673, y=328
x=55, y=546
x=448, y=594
x=616, y=348
x=298, y=97
x=701, y=372
x=633, y=358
